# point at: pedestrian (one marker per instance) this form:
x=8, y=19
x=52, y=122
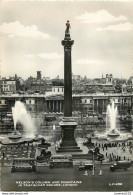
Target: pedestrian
x=106, y=154
x=124, y=157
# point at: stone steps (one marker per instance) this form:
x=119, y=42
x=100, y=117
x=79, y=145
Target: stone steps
x=68, y=149
x=71, y=147
x=80, y=156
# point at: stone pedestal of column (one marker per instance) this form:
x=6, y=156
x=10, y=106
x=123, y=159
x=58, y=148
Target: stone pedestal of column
x=68, y=142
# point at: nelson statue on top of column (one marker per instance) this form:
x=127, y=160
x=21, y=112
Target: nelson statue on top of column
x=67, y=26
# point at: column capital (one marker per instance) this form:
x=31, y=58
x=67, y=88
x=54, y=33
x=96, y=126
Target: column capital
x=67, y=42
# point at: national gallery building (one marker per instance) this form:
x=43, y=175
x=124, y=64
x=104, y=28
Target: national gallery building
x=90, y=104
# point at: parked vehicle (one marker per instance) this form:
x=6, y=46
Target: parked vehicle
x=23, y=165
x=61, y=161
x=121, y=165
x=49, y=118
x=85, y=166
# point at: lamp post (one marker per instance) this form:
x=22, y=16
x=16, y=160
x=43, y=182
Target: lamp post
x=54, y=131
x=93, y=170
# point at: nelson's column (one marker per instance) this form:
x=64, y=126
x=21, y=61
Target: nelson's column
x=68, y=124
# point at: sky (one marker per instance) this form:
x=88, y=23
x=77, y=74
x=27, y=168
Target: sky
x=31, y=32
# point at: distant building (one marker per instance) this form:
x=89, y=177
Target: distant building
x=57, y=89
x=0, y=85
x=109, y=78
x=76, y=77
x=103, y=80
x=124, y=88
x=9, y=85
x=46, y=78
x=39, y=77
x=38, y=85
x=58, y=82
x=57, y=86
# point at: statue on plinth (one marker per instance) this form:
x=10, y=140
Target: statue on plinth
x=67, y=26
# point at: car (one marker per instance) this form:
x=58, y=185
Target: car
x=121, y=165
x=86, y=166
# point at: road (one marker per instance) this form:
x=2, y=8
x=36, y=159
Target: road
x=67, y=179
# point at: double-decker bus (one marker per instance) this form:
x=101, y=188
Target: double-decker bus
x=61, y=161
x=23, y=165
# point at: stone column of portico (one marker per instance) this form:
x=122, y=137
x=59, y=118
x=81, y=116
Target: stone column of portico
x=53, y=105
x=56, y=105
x=103, y=106
x=68, y=124
x=48, y=105
x=60, y=105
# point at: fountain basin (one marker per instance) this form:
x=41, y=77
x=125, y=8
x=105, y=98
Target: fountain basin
x=113, y=133
x=15, y=135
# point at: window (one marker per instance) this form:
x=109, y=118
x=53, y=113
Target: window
x=85, y=101
x=30, y=101
x=62, y=89
x=90, y=101
x=58, y=89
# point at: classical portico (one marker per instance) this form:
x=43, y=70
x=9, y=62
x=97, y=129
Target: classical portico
x=55, y=105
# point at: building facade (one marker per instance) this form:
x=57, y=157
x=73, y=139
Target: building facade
x=9, y=85
x=91, y=104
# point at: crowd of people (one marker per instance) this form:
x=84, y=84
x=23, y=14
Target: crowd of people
x=122, y=146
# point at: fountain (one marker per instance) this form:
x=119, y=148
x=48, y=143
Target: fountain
x=21, y=115
x=111, y=119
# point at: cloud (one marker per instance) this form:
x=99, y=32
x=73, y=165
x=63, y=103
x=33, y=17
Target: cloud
x=118, y=27
x=86, y=61
x=48, y=56
x=13, y=29
x=101, y=16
